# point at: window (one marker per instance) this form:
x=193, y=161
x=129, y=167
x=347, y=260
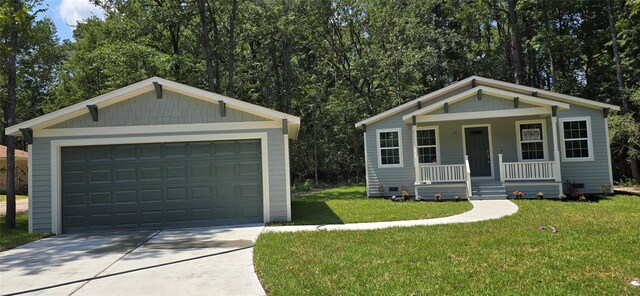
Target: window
x=576, y=139
x=531, y=140
x=390, y=148
x=427, y=140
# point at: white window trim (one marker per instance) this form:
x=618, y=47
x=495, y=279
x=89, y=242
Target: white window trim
x=421, y=128
x=399, y=131
x=545, y=139
x=589, y=139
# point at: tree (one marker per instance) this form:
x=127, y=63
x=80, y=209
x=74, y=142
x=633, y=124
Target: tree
x=516, y=44
x=206, y=44
x=232, y=45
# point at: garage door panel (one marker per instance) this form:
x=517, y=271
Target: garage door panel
x=161, y=185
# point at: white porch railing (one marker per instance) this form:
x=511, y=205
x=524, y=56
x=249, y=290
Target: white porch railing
x=442, y=173
x=524, y=171
x=467, y=170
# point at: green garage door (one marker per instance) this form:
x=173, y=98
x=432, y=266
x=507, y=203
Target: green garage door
x=161, y=185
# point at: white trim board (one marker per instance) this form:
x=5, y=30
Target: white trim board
x=287, y=176
x=30, y=187
x=507, y=95
x=153, y=129
x=56, y=145
x=464, y=146
x=489, y=82
x=144, y=86
x=484, y=114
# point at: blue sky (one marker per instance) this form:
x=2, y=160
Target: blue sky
x=66, y=13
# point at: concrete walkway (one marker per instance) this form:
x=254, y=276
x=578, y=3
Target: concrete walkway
x=482, y=210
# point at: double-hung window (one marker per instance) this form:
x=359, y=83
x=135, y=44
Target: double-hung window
x=576, y=139
x=427, y=142
x=389, y=148
x=531, y=140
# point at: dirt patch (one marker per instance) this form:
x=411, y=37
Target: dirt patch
x=22, y=206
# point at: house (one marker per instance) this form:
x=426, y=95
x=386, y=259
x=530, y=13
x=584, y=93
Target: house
x=484, y=138
x=21, y=173
x=157, y=154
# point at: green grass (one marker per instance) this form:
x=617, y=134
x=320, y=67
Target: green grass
x=3, y=198
x=595, y=252
x=11, y=238
x=350, y=205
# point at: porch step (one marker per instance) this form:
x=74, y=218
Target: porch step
x=488, y=197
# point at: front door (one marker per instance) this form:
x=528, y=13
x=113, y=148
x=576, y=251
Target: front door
x=477, y=145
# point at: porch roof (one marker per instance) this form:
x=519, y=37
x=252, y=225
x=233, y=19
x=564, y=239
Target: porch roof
x=477, y=80
x=544, y=105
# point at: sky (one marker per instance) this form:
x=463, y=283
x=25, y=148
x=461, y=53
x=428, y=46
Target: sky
x=67, y=13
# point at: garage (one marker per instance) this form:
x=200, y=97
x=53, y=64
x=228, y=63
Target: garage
x=161, y=185
x=157, y=154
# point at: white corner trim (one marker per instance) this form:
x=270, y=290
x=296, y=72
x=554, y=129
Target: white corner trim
x=399, y=131
x=464, y=145
x=287, y=176
x=29, y=186
x=606, y=133
x=545, y=140
x=141, y=87
x=563, y=153
x=56, y=145
x=366, y=163
x=437, y=131
x=161, y=128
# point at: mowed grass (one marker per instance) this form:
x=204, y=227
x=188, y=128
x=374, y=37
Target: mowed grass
x=350, y=205
x=11, y=238
x=595, y=252
x=3, y=198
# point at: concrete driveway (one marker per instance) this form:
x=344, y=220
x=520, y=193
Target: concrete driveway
x=193, y=261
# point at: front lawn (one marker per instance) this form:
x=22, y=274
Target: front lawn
x=595, y=252
x=11, y=238
x=350, y=205
x=3, y=198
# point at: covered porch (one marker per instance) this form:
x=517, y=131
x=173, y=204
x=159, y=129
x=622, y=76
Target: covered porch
x=487, y=142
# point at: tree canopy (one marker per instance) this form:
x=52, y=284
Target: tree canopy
x=334, y=63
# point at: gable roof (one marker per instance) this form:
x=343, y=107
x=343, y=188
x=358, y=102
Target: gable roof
x=507, y=86
x=19, y=153
x=147, y=85
x=503, y=94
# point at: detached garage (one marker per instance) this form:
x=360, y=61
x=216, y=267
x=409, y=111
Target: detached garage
x=157, y=154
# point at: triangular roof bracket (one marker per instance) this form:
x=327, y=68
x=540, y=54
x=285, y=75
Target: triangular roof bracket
x=158, y=87
x=93, y=110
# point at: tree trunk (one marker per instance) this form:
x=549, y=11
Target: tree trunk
x=10, y=119
x=616, y=55
x=516, y=45
x=232, y=45
x=635, y=172
x=216, y=48
x=206, y=44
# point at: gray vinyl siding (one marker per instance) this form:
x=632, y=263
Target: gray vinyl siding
x=146, y=109
x=531, y=190
x=449, y=192
x=591, y=173
x=488, y=103
x=503, y=140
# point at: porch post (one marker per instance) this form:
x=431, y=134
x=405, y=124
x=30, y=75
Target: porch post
x=556, y=149
x=414, y=141
x=501, y=168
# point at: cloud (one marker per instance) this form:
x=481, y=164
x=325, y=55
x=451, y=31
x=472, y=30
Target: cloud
x=74, y=11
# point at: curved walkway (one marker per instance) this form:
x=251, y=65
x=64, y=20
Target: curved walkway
x=482, y=210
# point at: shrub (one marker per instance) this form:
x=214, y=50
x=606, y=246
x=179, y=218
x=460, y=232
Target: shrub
x=605, y=189
x=562, y=197
x=517, y=194
x=439, y=197
x=540, y=195
x=380, y=189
